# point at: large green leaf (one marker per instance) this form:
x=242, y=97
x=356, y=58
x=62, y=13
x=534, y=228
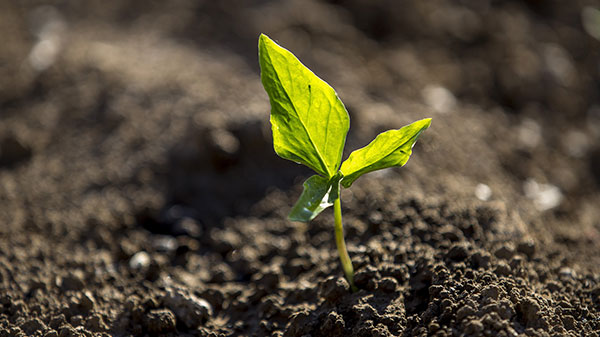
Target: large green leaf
x=318, y=194
x=308, y=120
x=390, y=148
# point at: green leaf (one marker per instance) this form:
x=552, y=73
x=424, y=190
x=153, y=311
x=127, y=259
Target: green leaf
x=318, y=194
x=308, y=120
x=390, y=148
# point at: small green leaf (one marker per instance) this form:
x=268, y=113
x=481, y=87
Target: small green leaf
x=390, y=148
x=318, y=194
x=308, y=120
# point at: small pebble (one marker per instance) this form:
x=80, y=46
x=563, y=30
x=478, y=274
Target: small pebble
x=141, y=260
x=164, y=243
x=544, y=196
x=566, y=272
x=439, y=98
x=187, y=226
x=483, y=192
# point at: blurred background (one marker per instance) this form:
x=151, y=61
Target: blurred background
x=150, y=112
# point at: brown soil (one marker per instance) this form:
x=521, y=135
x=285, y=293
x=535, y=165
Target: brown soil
x=140, y=195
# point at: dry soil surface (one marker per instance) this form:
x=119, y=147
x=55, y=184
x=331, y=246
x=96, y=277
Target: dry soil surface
x=140, y=195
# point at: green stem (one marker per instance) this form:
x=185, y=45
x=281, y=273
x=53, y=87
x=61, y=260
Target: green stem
x=341, y=244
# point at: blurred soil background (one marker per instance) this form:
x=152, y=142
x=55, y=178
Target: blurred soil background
x=140, y=195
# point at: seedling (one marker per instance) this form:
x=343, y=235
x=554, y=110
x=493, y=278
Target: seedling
x=309, y=124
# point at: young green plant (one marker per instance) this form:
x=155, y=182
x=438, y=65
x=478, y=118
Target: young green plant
x=309, y=124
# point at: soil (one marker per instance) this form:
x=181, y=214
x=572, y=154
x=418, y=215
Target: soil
x=140, y=195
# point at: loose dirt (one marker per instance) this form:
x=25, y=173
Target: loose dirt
x=140, y=195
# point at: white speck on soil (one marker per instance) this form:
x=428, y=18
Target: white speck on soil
x=140, y=260
x=544, y=196
x=483, y=192
x=439, y=98
x=529, y=133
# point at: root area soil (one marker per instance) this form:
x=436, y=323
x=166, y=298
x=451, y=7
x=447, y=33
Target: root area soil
x=140, y=195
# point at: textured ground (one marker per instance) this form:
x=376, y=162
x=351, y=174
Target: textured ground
x=140, y=195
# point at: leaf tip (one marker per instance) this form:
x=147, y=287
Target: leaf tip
x=262, y=38
x=265, y=41
x=426, y=122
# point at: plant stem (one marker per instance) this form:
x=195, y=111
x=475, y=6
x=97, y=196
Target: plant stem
x=341, y=244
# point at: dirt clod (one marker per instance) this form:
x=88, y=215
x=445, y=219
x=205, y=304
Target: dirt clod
x=458, y=252
x=464, y=312
x=504, y=252
x=96, y=323
x=334, y=325
x=367, y=277
x=72, y=281
x=527, y=248
x=474, y=328
x=32, y=326
x=502, y=269
x=189, y=309
x=51, y=333
x=388, y=284
x=333, y=288
x=68, y=331
x=13, y=152
x=87, y=302
x=160, y=321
